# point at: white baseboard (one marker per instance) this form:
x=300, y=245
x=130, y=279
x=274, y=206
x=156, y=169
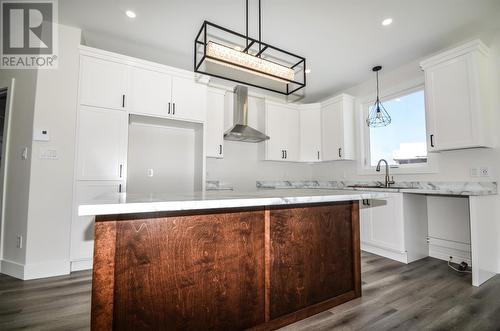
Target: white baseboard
x=12, y=269
x=46, y=269
x=390, y=254
x=443, y=249
x=35, y=270
x=81, y=265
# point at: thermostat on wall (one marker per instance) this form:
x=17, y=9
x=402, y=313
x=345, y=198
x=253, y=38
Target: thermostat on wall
x=41, y=135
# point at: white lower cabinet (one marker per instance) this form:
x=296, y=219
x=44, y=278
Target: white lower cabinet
x=395, y=227
x=82, y=227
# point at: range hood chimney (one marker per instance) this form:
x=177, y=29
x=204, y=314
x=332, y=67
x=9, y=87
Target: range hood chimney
x=240, y=130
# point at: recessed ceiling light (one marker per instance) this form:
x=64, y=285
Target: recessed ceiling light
x=387, y=21
x=308, y=71
x=130, y=14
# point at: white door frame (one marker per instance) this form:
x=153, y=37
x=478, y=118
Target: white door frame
x=9, y=85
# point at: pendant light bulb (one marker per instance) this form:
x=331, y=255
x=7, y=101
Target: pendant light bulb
x=377, y=115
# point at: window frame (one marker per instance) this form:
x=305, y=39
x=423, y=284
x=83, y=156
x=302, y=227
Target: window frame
x=364, y=165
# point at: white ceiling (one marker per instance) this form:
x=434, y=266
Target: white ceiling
x=341, y=39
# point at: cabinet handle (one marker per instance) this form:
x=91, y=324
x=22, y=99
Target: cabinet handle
x=168, y=112
x=318, y=155
x=120, y=188
x=123, y=100
x=173, y=109
x=121, y=170
x=340, y=152
x=220, y=149
x=432, y=140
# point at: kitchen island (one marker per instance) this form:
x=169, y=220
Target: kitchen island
x=223, y=260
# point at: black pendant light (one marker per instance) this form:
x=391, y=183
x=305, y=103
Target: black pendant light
x=377, y=115
x=226, y=54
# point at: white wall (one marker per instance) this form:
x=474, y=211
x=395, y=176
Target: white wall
x=241, y=167
x=39, y=192
x=168, y=151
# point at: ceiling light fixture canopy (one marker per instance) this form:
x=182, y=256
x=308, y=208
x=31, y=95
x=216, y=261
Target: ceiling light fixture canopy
x=387, y=21
x=130, y=14
x=225, y=54
x=377, y=115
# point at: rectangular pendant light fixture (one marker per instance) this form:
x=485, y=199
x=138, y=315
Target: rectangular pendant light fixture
x=245, y=61
x=225, y=54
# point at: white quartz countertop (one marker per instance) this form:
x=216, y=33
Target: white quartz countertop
x=123, y=203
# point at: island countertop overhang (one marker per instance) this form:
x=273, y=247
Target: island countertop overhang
x=123, y=203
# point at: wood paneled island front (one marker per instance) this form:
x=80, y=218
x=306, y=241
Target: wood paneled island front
x=234, y=266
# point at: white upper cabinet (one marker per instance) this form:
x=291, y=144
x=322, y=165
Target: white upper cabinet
x=215, y=123
x=151, y=92
x=104, y=83
x=189, y=99
x=102, y=144
x=310, y=133
x=160, y=94
x=282, y=126
x=458, y=111
x=337, y=128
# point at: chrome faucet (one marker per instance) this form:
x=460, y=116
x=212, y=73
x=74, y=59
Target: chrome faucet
x=388, y=180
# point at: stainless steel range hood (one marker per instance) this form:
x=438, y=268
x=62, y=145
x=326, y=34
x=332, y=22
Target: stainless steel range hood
x=240, y=130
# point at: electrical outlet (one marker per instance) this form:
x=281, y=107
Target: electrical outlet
x=484, y=172
x=19, y=242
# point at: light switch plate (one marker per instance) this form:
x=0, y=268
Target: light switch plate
x=48, y=153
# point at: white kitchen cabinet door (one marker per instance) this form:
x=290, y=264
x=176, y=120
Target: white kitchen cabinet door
x=387, y=222
x=151, y=92
x=282, y=126
x=102, y=144
x=215, y=124
x=457, y=102
x=395, y=227
x=188, y=99
x=310, y=135
x=82, y=227
x=337, y=129
x=104, y=83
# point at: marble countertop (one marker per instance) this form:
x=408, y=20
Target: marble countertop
x=433, y=188
x=123, y=203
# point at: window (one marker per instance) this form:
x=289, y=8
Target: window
x=403, y=142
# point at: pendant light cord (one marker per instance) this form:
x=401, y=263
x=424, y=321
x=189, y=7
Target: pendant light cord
x=378, y=99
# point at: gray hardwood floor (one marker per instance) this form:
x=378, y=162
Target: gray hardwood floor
x=425, y=295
